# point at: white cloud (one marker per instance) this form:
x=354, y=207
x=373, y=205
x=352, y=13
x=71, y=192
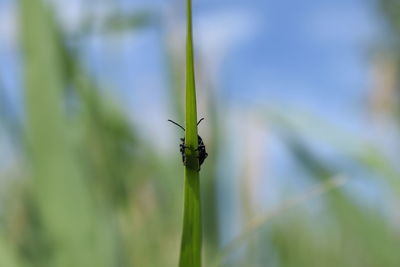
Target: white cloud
x=217, y=32
x=69, y=12
x=8, y=25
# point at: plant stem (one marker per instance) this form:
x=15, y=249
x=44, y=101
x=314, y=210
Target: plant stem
x=192, y=229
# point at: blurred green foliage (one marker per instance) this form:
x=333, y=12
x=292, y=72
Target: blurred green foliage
x=90, y=192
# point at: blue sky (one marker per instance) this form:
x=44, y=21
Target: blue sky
x=308, y=53
x=313, y=54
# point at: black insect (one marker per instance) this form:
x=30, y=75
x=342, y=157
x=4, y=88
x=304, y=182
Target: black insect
x=201, y=147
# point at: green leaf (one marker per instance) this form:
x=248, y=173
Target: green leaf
x=7, y=255
x=61, y=193
x=192, y=230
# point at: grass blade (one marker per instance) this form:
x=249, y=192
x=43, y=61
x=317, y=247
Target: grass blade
x=256, y=223
x=7, y=255
x=190, y=254
x=60, y=192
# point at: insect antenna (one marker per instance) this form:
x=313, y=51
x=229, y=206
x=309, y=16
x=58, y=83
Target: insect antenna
x=177, y=124
x=200, y=121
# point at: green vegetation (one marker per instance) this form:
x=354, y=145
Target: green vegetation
x=192, y=227
x=88, y=189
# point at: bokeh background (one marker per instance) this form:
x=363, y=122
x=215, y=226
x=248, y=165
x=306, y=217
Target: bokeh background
x=301, y=108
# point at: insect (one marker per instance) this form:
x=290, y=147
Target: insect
x=201, y=147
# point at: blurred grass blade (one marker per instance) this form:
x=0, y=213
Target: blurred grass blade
x=192, y=230
x=118, y=22
x=259, y=221
x=7, y=256
x=60, y=192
